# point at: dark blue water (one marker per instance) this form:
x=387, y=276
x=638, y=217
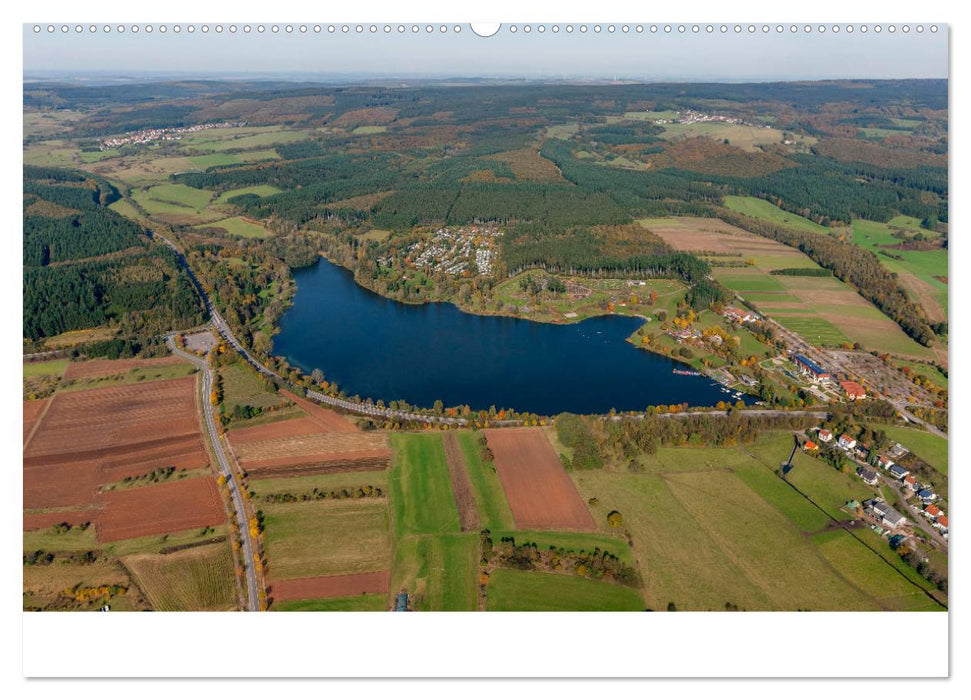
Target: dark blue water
x=383, y=349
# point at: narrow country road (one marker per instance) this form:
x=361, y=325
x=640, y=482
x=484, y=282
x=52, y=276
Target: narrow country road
x=232, y=483
x=911, y=418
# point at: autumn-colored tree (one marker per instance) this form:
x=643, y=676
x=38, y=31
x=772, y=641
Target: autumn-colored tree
x=615, y=519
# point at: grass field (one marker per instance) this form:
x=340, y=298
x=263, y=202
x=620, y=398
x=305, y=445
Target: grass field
x=421, y=492
x=816, y=330
x=126, y=209
x=490, y=500
x=258, y=190
x=919, y=270
x=201, y=578
x=323, y=538
x=177, y=203
x=440, y=571
x=748, y=138
x=510, y=590
x=238, y=226
x=242, y=139
x=132, y=376
x=761, y=209
x=50, y=368
x=712, y=526
x=927, y=446
x=370, y=602
x=242, y=387
x=370, y=130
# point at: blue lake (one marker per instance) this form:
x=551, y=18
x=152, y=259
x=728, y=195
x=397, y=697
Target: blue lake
x=383, y=349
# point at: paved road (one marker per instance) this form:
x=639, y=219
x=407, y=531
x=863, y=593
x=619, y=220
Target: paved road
x=915, y=515
x=910, y=417
x=249, y=567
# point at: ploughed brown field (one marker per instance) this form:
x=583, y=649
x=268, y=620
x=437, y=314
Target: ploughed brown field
x=330, y=586
x=166, y=507
x=540, y=493
x=461, y=484
x=32, y=412
x=329, y=421
x=322, y=442
x=86, y=440
x=104, y=368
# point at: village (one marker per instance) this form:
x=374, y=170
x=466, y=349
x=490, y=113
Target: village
x=880, y=470
x=464, y=251
x=173, y=133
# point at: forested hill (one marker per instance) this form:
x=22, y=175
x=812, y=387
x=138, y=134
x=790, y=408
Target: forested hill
x=86, y=266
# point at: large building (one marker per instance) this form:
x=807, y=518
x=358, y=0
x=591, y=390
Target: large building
x=853, y=391
x=809, y=367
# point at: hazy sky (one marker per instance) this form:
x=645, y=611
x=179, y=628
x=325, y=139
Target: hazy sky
x=648, y=56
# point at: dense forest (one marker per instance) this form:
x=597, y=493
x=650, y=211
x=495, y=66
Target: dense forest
x=86, y=266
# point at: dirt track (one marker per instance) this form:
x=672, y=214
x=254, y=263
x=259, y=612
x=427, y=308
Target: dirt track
x=540, y=493
x=330, y=586
x=461, y=485
x=329, y=421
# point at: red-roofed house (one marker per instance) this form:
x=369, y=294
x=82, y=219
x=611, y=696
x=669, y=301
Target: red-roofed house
x=810, y=446
x=846, y=442
x=911, y=481
x=941, y=524
x=825, y=435
x=853, y=390
x=932, y=512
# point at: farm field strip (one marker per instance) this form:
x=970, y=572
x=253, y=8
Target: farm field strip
x=540, y=494
x=536, y=591
x=461, y=484
x=421, y=492
x=340, y=586
x=829, y=303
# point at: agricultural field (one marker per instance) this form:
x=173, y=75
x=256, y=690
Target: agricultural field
x=119, y=475
x=716, y=526
x=761, y=209
x=177, y=203
x=326, y=538
x=538, y=591
x=198, y=578
x=540, y=494
x=748, y=138
x=440, y=572
x=258, y=190
x=421, y=492
x=363, y=603
x=490, y=500
x=238, y=226
x=923, y=272
x=828, y=311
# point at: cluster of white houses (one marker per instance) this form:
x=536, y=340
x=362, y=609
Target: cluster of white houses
x=877, y=508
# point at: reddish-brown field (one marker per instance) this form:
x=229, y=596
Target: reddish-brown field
x=87, y=439
x=105, y=368
x=540, y=493
x=330, y=586
x=116, y=418
x=160, y=509
x=271, y=431
x=321, y=442
x=32, y=412
x=39, y=521
x=329, y=421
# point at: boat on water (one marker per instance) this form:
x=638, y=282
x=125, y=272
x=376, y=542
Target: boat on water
x=686, y=372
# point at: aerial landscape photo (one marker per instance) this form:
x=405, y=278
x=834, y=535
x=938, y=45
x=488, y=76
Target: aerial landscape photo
x=397, y=331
